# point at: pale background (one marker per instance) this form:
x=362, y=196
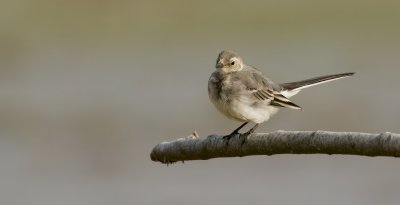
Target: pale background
x=87, y=88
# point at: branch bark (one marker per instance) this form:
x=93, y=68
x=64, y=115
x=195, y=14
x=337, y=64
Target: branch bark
x=278, y=142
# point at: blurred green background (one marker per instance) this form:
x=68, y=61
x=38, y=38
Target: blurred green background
x=87, y=88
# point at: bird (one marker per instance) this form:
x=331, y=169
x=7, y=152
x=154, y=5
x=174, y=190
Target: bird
x=243, y=93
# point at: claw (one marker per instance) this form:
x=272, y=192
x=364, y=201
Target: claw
x=243, y=138
x=246, y=134
x=227, y=137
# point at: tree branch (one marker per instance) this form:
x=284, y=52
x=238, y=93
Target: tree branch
x=278, y=142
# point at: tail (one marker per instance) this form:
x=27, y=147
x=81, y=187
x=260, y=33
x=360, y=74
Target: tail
x=295, y=87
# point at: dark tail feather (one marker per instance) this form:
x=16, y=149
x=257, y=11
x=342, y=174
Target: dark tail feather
x=313, y=81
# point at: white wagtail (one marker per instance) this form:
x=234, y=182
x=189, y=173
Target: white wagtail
x=243, y=93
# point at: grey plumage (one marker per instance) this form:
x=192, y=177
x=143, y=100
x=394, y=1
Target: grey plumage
x=243, y=93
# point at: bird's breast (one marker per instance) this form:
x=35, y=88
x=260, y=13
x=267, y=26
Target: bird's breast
x=235, y=102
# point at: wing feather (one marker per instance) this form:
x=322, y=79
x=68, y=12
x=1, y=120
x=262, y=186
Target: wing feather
x=265, y=90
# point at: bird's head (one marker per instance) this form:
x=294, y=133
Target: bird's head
x=228, y=62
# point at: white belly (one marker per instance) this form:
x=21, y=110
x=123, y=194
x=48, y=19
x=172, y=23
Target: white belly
x=246, y=109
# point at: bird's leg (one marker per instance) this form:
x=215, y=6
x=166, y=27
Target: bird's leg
x=251, y=130
x=235, y=132
x=244, y=135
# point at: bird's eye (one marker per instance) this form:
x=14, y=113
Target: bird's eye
x=233, y=63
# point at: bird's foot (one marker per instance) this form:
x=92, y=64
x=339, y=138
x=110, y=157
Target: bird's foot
x=243, y=137
x=251, y=130
x=226, y=138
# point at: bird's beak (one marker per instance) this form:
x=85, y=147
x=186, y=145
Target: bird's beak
x=219, y=65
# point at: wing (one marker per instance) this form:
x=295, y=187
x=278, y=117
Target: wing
x=265, y=90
